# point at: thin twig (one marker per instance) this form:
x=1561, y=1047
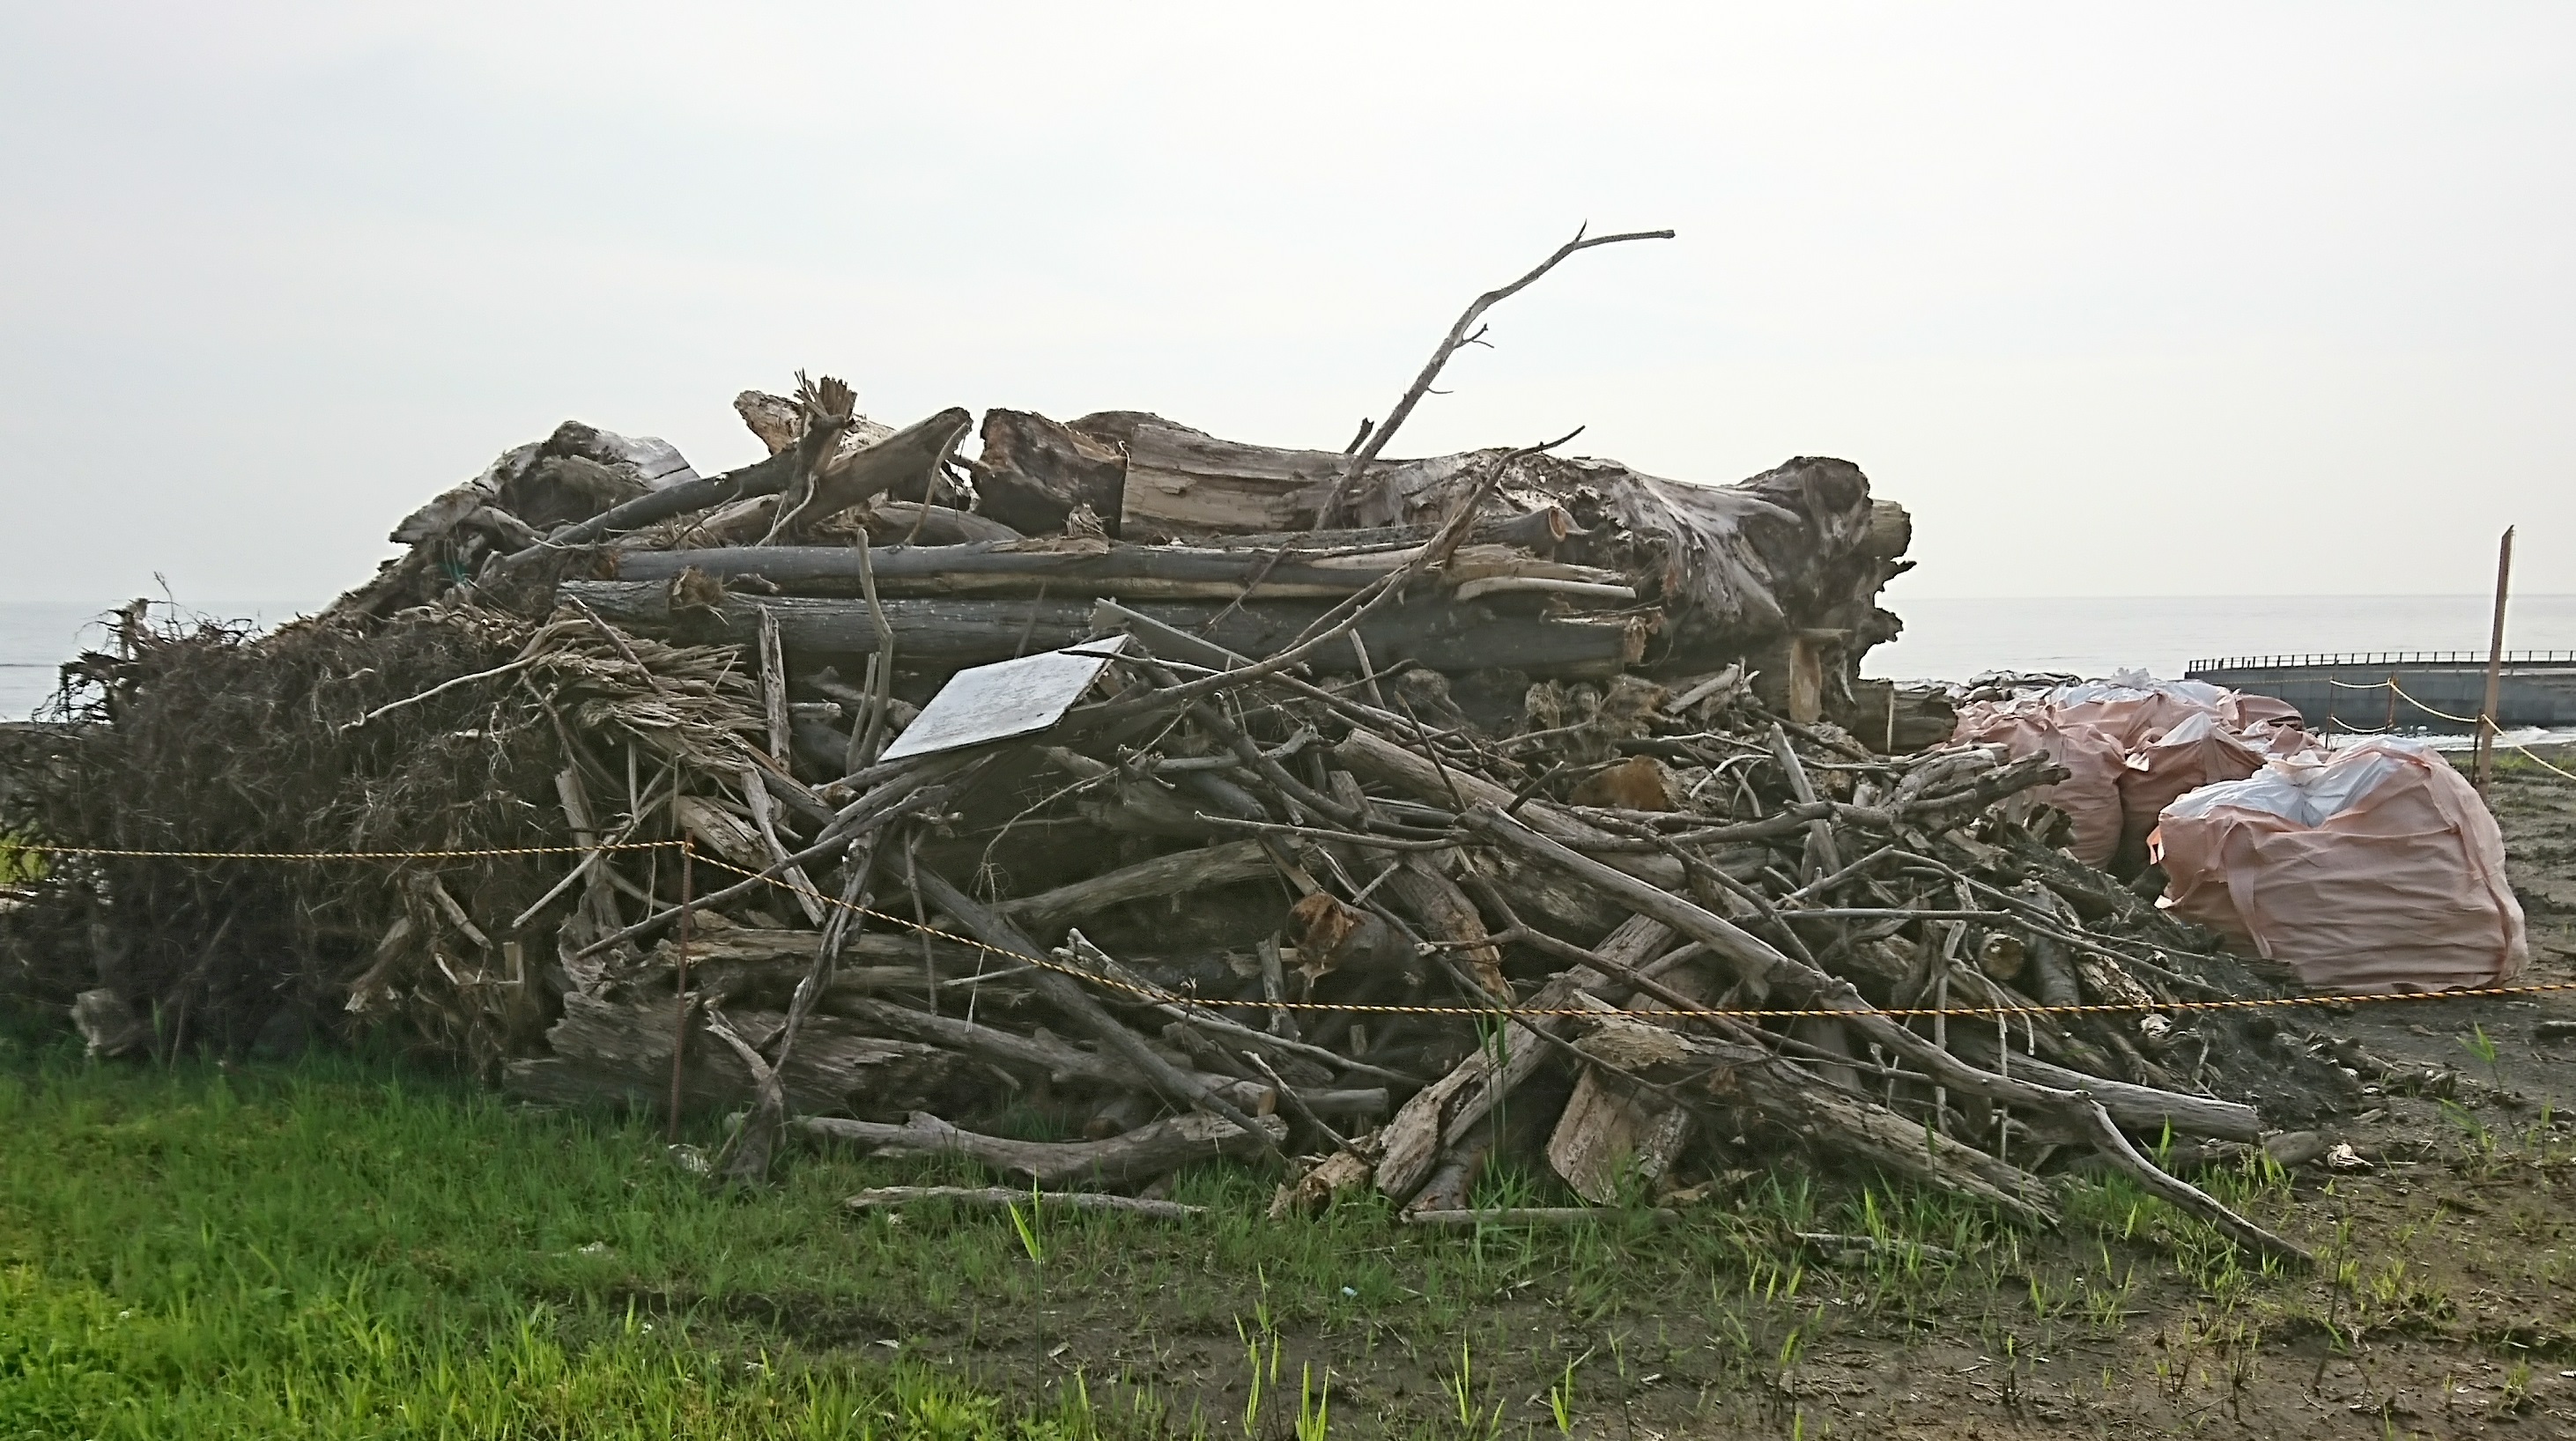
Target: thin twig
x=521, y=663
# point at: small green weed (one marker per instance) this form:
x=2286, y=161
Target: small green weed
x=1025, y=1224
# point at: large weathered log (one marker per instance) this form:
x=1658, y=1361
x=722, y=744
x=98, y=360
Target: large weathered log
x=1032, y=472
x=949, y=633
x=1128, y=1159
x=1018, y=568
x=1184, y=482
x=1540, y=530
x=1800, y=548
x=1062, y=566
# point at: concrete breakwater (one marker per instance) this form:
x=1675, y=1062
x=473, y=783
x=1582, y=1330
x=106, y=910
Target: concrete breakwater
x=2431, y=690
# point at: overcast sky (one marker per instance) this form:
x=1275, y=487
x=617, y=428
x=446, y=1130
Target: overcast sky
x=2172, y=299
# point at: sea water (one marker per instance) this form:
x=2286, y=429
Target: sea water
x=36, y=637
x=2094, y=636
x=1943, y=639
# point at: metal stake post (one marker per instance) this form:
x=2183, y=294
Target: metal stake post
x=2495, y=663
x=680, y=968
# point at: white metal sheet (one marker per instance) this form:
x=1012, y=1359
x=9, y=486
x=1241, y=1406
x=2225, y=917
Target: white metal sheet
x=986, y=703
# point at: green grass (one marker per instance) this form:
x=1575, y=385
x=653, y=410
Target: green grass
x=343, y=1248
x=335, y=1251
x=18, y=863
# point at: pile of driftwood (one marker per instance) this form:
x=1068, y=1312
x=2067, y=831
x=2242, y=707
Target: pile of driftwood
x=1391, y=848
x=1171, y=796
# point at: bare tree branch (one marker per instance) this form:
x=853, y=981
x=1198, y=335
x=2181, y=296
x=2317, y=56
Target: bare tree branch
x=1459, y=334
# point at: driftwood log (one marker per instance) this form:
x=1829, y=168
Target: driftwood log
x=952, y=633
x=1131, y=1159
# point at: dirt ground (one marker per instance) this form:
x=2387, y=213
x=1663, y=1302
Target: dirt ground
x=2444, y=1303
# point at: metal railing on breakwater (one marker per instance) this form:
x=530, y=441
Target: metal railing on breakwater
x=2391, y=657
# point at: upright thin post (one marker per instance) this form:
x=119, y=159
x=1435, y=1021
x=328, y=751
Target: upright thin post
x=2495, y=663
x=680, y=977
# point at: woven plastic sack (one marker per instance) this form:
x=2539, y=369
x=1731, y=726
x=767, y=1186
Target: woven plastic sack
x=2200, y=750
x=2090, y=794
x=2244, y=712
x=2378, y=870
x=2133, y=707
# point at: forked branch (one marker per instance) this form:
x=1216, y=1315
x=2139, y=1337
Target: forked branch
x=1459, y=335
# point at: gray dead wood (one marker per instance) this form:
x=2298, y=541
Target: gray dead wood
x=1032, y=472
x=883, y=1198
x=1412, y=1142
x=1835, y=1246
x=905, y=464
x=1445, y=914
x=609, y=1051
x=1820, y=1115
x=2123, y=1155
x=1373, y=757
x=1128, y=986
x=1062, y=1062
x=1023, y=567
x=1614, y=1131
x=938, y=632
x=913, y=522
x=765, y=477
x=1543, y=1216
x=1128, y=1159
x=1178, y=873
x=1068, y=996
x=1793, y=983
